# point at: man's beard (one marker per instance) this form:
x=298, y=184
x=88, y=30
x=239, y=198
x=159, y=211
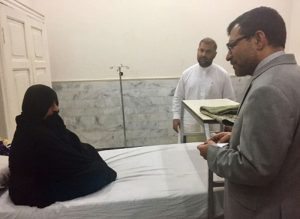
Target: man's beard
x=246, y=69
x=203, y=62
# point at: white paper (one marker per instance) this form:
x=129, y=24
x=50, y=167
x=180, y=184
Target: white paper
x=221, y=144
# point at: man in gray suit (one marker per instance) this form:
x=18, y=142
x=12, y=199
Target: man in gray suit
x=261, y=164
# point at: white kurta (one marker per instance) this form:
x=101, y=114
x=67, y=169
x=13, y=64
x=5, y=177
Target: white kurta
x=197, y=83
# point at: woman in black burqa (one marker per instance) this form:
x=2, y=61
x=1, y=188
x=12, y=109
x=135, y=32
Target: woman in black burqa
x=47, y=162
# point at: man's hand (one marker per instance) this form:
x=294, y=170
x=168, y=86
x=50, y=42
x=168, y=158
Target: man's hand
x=222, y=137
x=203, y=148
x=176, y=124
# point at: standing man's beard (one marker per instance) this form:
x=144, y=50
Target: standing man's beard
x=244, y=69
x=204, y=62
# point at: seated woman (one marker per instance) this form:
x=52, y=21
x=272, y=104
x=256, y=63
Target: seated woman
x=48, y=162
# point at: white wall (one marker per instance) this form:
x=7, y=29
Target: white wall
x=27, y=2
x=156, y=38
x=294, y=33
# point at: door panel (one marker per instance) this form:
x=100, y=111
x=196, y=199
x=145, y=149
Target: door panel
x=17, y=38
x=21, y=84
x=40, y=63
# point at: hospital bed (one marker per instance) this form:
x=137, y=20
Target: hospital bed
x=162, y=181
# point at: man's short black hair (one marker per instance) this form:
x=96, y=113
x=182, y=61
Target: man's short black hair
x=264, y=19
x=209, y=40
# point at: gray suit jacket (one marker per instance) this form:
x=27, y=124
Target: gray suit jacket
x=261, y=166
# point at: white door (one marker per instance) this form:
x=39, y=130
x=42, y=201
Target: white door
x=25, y=60
x=39, y=56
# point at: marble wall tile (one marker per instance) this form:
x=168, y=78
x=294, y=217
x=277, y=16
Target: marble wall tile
x=92, y=109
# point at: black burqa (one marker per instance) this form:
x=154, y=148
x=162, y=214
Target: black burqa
x=47, y=162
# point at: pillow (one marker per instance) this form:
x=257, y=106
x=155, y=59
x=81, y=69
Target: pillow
x=4, y=172
x=4, y=146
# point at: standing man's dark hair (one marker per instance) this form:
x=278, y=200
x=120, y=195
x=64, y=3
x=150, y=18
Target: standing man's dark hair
x=208, y=40
x=265, y=19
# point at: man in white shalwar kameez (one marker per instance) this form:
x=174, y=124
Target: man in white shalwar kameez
x=204, y=80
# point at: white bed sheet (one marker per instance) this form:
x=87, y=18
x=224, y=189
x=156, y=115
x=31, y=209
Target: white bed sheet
x=163, y=181
x=4, y=172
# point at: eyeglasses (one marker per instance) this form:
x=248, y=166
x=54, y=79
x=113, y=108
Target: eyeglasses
x=232, y=44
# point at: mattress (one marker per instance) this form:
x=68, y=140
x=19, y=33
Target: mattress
x=161, y=181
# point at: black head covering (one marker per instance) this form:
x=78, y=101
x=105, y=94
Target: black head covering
x=37, y=100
